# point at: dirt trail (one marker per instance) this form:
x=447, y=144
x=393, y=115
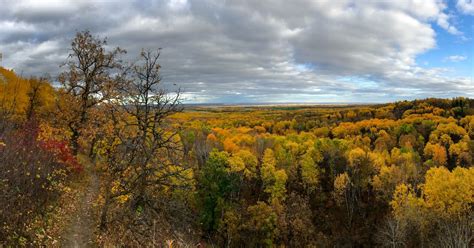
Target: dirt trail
x=80, y=232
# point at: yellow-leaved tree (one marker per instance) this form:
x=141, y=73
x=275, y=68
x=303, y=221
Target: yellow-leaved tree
x=444, y=207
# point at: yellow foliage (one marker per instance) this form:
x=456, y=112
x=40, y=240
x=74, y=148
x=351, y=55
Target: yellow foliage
x=462, y=153
x=437, y=153
x=211, y=137
x=468, y=123
x=260, y=129
x=268, y=165
x=20, y=96
x=407, y=161
x=278, y=189
x=123, y=198
x=445, y=195
x=379, y=159
x=230, y=146
x=445, y=133
x=250, y=163
x=309, y=172
x=273, y=180
x=407, y=140
x=13, y=94
x=236, y=164
x=341, y=184
x=405, y=204
x=448, y=192
x=115, y=187
x=356, y=157
x=387, y=180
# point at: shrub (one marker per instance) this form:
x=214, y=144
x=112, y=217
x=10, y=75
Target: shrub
x=32, y=176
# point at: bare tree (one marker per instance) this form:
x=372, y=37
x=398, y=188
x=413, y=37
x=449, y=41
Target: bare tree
x=91, y=78
x=456, y=232
x=147, y=154
x=150, y=104
x=391, y=234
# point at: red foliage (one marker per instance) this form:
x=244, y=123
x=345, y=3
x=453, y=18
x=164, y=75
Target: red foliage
x=33, y=173
x=27, y=138
x=63, y=153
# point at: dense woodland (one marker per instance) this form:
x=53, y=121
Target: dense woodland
x=388, y=175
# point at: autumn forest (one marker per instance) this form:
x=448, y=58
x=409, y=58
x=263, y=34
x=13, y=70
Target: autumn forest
x=106, y=155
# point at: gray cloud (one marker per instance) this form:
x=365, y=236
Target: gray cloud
x=249, y=51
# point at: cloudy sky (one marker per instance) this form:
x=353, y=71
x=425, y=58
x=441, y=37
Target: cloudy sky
x=236, y=51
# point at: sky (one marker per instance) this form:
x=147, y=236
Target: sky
x=261, y=51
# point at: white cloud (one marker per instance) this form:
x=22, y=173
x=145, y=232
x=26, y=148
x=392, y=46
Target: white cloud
x=443, y=21
x=455, y=58
x=466, y=6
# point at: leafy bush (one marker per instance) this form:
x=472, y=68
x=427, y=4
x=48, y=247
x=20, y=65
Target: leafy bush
x=32, y=176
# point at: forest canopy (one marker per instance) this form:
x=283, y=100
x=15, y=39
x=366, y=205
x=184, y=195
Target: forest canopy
x=392, y=175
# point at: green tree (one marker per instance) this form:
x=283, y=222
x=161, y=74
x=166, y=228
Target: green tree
x=216, y=185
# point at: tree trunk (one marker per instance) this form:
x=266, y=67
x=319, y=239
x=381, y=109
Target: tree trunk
x=75, y=141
